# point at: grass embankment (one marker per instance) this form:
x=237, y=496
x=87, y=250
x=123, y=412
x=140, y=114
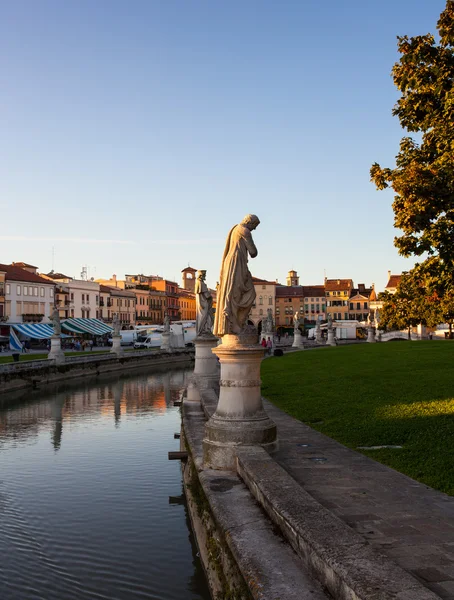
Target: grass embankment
x=376, y=394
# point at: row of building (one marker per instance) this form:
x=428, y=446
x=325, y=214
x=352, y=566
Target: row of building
x=29, y=296
x=338, y=297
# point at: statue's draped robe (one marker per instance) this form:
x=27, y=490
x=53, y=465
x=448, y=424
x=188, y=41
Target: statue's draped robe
x=204, y=308
x=236, y=293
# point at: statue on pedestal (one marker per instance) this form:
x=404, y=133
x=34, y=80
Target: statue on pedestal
x=268, y=323
x=56, y=321
x=166, y=324
x=236, y=293
x=296, y=322
x=116, y=325
x=330, y=322
x=204, y=306
x=377, y=318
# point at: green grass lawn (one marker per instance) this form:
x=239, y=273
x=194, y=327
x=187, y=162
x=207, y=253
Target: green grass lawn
x=399, y=393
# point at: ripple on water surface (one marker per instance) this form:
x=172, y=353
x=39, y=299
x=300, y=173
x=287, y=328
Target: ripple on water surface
x=84, y=494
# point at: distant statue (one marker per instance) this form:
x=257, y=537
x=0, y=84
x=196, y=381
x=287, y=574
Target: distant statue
x=166, y=324
x=116, y=325
x=56, y=321
x=204, y=306
x=236, y=293
x=269, y=321
x=377, y=317
x=330, y=321
x=296, y=321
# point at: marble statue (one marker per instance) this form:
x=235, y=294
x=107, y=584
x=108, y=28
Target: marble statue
x=268, y=323
x=236, y=293
x=377, y=317
x=204, y=305
x=116, y=325
x=166, y=324
x=296, y=321
x=330, y=321
x=56, y=321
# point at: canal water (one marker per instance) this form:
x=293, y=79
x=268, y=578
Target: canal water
x=90, y=506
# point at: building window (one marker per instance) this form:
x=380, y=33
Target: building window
x=42, y=292
x=260, y=300
x=88, y=299
x=351, y=305
x=270, y=301
x=25, y=290
x=358, y=306
x=263, y=287
x=365, y=305
x=35, y=291
x=83, y=298
x=18, y=290
x=51, y=292
x=261, y=312
x=97, y=300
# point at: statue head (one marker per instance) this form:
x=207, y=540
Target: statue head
x=250, y=221
x=201, y=275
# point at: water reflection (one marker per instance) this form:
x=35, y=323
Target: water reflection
x=84, y=494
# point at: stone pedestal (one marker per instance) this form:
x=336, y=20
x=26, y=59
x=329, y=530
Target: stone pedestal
x=240, y=419
x=298, y=340
x=165, y=343
x=318, y=335
x=206, y=364
x=55, y=352
x=206, y=368
x=116, y=345
x=371, y=335
x=422, y=332
x=330, y=340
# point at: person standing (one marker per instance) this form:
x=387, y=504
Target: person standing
x=269, y=345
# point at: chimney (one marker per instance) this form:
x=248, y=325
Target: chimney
x=338, y=282
x=389, y=275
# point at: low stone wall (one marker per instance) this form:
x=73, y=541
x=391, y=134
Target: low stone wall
x=34, y=373
x=262, y=536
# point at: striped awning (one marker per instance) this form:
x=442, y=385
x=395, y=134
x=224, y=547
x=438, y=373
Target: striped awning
x=36, y=331
x=91, y=326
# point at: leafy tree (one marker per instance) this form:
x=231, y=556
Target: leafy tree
x=404, y=309
x=423, y=178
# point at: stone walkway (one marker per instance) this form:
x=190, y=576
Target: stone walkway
x=406, y=520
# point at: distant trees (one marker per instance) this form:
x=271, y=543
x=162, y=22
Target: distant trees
x=423, y=178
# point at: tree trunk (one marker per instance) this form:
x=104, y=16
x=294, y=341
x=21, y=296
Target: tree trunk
x=409, y=333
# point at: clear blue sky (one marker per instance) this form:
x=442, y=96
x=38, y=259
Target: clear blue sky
x=134, y=134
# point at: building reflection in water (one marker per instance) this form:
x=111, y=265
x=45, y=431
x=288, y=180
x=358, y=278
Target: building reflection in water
x=127, y=395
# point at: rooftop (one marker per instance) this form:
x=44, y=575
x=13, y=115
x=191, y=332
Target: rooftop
x=15, y=273
x=338, y=284
x=394, y=281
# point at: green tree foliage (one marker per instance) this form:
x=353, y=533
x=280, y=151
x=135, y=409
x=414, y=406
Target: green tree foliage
x=423, y=178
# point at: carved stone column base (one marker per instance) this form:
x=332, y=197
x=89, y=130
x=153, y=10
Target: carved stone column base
x=371, y=335
x=165, y=343
x=116, y=345
x=240, y=419
x=330, y=340
x=206, y=364
x=298, y=340
x=55, y=352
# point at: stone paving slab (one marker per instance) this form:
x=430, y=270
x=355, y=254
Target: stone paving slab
x=403, y=519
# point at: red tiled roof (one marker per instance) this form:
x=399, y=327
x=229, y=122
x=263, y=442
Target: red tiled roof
x=365, y=292
x=394, y=281
x=57, y=276
x=22, y=265
x=14, y=273
x=338, y=284
x=288, y=291
x=313, y=290
x=264, y=281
